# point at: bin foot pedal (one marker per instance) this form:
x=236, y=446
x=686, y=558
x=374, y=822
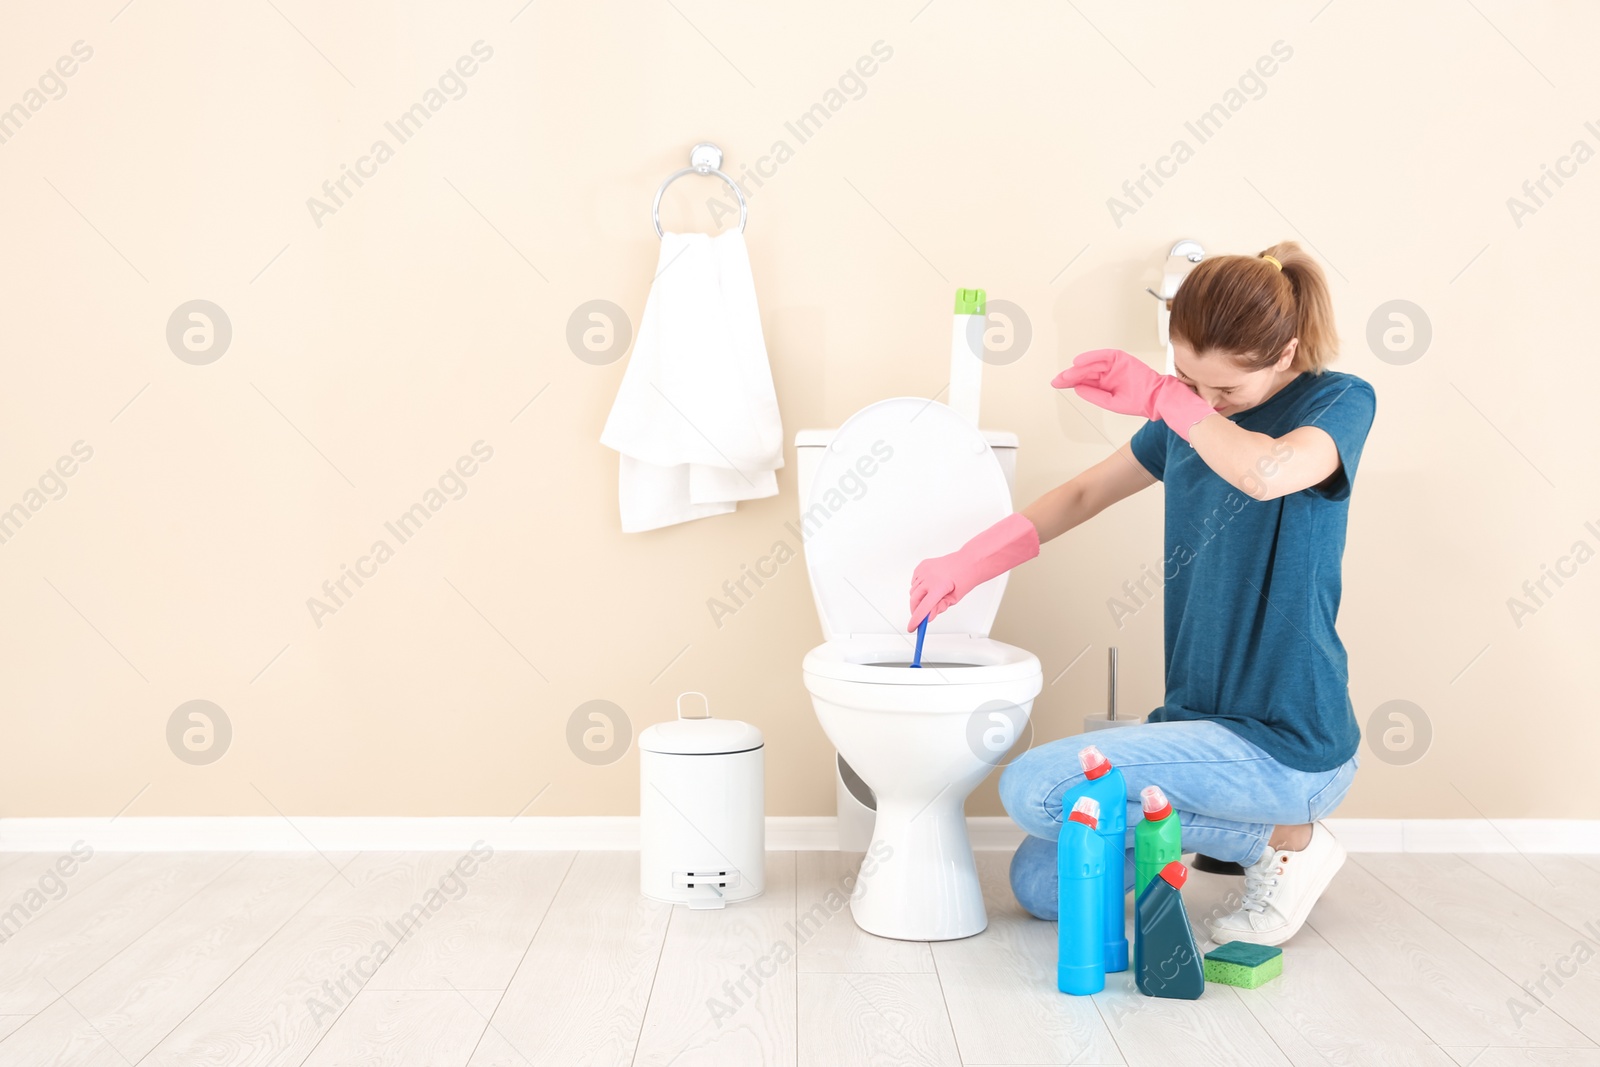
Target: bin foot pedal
x=705, y=888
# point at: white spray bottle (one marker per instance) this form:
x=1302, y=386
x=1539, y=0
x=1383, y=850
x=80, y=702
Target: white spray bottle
x=966, y=352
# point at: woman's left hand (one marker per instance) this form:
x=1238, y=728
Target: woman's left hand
x=1113, y=379
x=1117, y=381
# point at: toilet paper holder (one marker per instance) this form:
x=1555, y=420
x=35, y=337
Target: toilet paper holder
x=1180, y=261
x=1186, y=251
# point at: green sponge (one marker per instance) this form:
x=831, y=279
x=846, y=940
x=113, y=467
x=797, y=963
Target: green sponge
x=1239, y=963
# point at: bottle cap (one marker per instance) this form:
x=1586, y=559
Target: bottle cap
x=1086, y=811
x=1094, y=762
x=1156, y=806
x=1175, y=874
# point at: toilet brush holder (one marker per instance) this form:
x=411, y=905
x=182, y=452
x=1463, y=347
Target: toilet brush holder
x=1109, y=719
x=1104, y=722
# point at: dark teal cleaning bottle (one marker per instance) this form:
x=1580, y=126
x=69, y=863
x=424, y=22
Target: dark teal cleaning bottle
x=1104, y=783
x=1166, y=962
x=1080, y=870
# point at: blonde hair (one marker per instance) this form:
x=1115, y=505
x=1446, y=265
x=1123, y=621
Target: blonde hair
x=1251, y=309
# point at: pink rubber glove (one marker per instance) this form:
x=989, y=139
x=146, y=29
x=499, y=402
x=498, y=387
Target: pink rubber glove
x=1117, y=381
x=938, y=583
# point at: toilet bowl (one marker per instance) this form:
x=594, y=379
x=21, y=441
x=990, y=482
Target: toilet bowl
x=900, y=481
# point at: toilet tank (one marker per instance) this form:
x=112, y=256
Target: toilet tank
x=809, y=444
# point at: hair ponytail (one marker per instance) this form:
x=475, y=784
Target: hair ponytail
x=1313, y=306
x=1252, y=307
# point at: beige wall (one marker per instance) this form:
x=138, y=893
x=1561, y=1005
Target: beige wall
x=370, y=352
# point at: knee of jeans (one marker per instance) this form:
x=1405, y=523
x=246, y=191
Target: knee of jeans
x=1025, y=788
x=1007, y=786
x=1033, y=878
x=1332, y=794
x=1041, y=905
x=1015, y=795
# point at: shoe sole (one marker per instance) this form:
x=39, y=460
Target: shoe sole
x=1278, y=937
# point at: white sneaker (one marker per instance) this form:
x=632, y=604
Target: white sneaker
x=1279, y=890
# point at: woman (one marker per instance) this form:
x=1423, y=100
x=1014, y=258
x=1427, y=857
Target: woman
x=1258, y=444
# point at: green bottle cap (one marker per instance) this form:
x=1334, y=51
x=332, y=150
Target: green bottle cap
x=971, y=302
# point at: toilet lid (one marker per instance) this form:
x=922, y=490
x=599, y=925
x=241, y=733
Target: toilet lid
x=902, y=480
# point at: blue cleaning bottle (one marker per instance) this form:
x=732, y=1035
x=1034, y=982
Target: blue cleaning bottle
x=1166, y=962
x=1080, y=922
x=1104, y=783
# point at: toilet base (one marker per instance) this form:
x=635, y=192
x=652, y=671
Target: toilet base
x=924, y=886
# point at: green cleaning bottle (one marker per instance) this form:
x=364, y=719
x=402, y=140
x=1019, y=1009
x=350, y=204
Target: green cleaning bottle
x=1156, y=840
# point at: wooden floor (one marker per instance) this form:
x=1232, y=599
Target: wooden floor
x=275, y=960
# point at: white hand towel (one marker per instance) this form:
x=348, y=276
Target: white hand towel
x=696, y=417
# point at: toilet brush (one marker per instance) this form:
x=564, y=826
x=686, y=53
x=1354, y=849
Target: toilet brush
x=1109, y=719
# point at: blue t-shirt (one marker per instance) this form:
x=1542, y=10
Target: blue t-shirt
x=1252, y=586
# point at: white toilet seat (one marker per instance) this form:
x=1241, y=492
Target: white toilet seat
x=948, y=660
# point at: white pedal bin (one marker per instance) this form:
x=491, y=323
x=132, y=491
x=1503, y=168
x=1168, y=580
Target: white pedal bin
x=702, y=810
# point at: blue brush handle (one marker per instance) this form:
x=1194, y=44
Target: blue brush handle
x=922, y=631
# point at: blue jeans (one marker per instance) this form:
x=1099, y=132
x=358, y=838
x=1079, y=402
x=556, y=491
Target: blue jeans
x=1228, y=795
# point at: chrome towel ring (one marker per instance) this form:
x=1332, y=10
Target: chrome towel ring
x=704, y=158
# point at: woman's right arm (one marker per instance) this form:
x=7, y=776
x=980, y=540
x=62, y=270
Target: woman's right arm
x=1117, y=476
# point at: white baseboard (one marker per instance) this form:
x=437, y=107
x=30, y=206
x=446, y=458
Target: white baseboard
x=621, y=833
x=1468, y=835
